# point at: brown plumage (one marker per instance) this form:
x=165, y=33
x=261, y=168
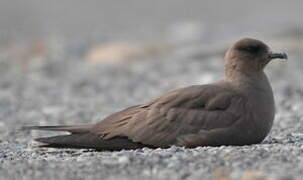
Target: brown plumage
x=236, y=111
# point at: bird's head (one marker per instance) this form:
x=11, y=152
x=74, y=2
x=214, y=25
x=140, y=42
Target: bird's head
x=250, y=56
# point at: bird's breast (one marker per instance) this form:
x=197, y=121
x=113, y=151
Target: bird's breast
x=260, y=114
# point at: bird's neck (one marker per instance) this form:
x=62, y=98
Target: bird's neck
x=256, y=80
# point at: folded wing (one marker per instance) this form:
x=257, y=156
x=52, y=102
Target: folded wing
x=182, y=112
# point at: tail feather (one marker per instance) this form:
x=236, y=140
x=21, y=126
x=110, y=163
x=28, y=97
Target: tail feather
x=82, y=137
x=90, y=141
x=71, y=129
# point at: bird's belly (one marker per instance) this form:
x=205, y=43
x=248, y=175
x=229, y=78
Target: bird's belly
x=258, y=122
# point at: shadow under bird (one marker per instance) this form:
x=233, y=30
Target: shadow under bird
x=238, y=110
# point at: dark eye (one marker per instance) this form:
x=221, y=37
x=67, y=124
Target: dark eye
x=251, y=49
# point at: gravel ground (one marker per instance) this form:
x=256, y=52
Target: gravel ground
x=59, y=86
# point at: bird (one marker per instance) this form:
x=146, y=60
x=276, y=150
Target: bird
x=238, y=110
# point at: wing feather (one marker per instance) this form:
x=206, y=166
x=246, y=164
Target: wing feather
x=180, y=112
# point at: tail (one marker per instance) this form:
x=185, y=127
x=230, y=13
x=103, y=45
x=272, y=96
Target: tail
x=82, y=138
x=89, y=141
x=72, y=129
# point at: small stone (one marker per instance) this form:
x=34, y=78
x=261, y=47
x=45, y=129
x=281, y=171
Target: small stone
x=297, y=134
x=124, y=160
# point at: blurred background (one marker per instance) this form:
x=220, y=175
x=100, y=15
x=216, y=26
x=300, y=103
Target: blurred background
x=94, y=28
x=96, y=20
x=75, y=62
x=79, y=25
